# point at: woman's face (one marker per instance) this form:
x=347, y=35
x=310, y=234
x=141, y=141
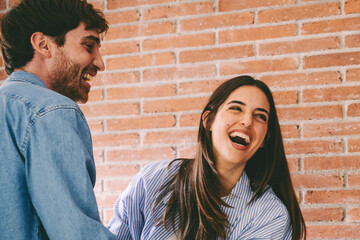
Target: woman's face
x=240, y=126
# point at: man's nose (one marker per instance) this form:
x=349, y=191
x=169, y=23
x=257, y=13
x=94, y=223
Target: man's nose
x=98, y=62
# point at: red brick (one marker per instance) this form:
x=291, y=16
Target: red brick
x=354, y=145
x=106, y=200
x=198, y=87
x=352, y=6
x=333, y=231
x=189, y=120
x=333, y=196
x=122, y=17
x=144, y=122
x=352, y=41
x=187, y=151
x=2, y=4
x=171, y=137
x=130, y=31
x=302, y=79
x=13, y=3
x=96, y=95
x=179, y=72
x=217, y=21
x=181, y=41
x=353, y=214
x=285, y=97
x=353, y=75
x=300, y=46
x=354, y=180
x=293, y=164
x=119, y=47
x=140, y=61
x=216, y=54
x=323, y=214
x=110, y=109
x=328, y=26
x=148, y=154
x=331, y=94
x=116, y=170
x=333, y=59
x=98, y=155
x=109, y=78
x=141, y=91
x=299, y=12
x=259, y=33
x=339, y=128
x=108, y=214
x=96, y=126
x=115, y=185
x=353, y=110
x=318, y=180
x=112, y=4
x=332, y=163
x=290, y=131
x=258, y=66
x=179, y=10
x=174, y=105
x=312, y=146
x=115, y=139
x=309, y=113
x=229, y=5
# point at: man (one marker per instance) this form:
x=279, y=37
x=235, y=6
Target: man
x=47, y=171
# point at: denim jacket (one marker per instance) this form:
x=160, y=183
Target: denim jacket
x=47, y=170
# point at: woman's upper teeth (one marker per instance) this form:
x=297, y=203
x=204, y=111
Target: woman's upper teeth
x=241, y=135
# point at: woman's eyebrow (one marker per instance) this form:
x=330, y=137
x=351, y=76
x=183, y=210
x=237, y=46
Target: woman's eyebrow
x=241, y=103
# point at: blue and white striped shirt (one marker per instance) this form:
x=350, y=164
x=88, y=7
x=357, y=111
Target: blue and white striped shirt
x=134, y=218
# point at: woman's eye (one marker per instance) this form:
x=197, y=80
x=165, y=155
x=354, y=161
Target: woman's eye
x=263, y=117
x=237, y=108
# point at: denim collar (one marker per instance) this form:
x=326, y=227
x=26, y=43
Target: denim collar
x=25, y=77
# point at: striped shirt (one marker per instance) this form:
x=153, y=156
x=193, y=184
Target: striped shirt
x=134, y=218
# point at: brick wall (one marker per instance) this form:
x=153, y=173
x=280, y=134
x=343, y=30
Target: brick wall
x=165, y=57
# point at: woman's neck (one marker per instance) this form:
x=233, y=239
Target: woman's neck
x=228, y=177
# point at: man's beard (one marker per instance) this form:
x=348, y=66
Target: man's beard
x=66, y=79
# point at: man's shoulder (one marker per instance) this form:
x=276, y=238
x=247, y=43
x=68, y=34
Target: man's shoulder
x=36, y=98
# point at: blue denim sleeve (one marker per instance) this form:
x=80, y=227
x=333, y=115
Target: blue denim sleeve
x=60, y=173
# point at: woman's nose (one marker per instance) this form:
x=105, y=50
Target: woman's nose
x=247, y=120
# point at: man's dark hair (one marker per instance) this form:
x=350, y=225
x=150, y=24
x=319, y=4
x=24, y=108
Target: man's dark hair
x=53, y=18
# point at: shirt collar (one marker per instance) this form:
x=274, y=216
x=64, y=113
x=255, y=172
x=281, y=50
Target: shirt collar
x=238, y=199
x=25, y=77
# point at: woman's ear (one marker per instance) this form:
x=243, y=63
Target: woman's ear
x=41, y=44
x=204, y=118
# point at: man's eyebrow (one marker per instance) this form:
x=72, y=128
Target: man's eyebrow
x=96, y=39
x=241, y=103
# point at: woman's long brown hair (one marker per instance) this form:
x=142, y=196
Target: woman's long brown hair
x=195, y=189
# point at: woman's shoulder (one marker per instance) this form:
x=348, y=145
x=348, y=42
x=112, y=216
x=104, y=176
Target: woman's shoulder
x=270, y=204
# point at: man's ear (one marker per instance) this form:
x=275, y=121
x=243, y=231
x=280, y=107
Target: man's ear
x=41, y=44
x=204, y=118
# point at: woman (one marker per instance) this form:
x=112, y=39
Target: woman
x=238, y=185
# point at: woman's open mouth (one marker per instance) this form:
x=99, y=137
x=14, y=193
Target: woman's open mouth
x=240, y=138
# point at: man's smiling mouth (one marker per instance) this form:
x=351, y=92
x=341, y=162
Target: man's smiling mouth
x=87, y=77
